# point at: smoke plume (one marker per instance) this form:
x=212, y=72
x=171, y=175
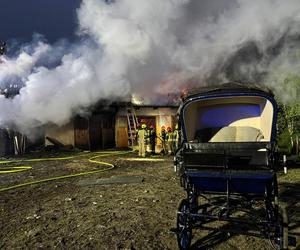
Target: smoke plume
x=151, y=48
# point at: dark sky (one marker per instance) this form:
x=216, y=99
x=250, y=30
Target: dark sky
x=55, y=19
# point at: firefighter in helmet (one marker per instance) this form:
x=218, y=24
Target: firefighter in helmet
x=142, y=136
x=152, y=138
x=170, y=140
x=175, y=138
x=164, y=139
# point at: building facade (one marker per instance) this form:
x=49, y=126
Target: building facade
x=157, y=116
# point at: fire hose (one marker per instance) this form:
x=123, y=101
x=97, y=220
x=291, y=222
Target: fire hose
x=15, y=169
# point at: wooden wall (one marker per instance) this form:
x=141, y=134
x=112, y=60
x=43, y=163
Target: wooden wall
x=93, y=133
x=63, y=134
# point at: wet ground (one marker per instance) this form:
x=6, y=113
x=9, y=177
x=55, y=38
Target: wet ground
x=78, y=213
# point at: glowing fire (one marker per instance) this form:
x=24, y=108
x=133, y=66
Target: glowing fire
x=137, y=100
x=170, y=91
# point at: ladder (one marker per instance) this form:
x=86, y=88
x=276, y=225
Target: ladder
x=132, y=127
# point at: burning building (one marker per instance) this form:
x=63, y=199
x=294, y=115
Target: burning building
x=151, y=115
x=91, y=132
x=145, y=48
x=113, y=125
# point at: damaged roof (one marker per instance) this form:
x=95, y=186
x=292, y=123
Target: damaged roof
x=230, y=87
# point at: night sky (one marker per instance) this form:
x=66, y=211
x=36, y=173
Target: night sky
x=55, y=19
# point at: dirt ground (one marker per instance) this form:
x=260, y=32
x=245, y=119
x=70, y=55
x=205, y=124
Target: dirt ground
x=71, y=214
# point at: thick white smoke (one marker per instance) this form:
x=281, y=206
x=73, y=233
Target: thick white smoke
x=151, y=47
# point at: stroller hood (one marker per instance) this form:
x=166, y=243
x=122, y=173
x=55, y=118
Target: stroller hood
x=229, y=113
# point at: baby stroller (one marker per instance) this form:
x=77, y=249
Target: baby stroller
x=227, y=163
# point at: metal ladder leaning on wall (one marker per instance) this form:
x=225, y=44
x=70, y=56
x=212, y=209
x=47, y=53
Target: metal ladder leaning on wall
x=132, y=126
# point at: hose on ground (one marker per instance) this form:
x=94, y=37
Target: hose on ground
x=93, y=159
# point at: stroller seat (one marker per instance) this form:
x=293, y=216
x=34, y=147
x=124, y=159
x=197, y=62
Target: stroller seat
x=237, y=134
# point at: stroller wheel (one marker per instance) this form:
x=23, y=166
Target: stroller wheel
x=284, y=234
x=184, y=229
x=280, y=241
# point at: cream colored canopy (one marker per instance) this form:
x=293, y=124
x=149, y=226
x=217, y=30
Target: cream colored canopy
x=229, y=119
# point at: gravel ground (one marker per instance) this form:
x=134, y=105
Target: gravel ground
x=65, y=214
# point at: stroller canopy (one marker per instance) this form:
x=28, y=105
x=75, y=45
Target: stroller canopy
x=229, y=113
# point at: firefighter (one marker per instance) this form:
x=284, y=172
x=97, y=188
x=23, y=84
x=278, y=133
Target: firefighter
x=152, y=138
x=164, y=139
x=138, y=128
x=142, y=136
x=175, y=138
x=170, y=140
